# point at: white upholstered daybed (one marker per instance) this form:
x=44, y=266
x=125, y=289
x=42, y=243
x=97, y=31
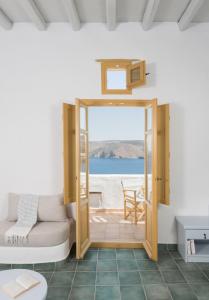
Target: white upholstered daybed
x=51, y=238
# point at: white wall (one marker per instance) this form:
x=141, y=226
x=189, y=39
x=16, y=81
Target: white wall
x=40, y=70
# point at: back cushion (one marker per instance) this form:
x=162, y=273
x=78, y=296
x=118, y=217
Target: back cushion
x=50, y=208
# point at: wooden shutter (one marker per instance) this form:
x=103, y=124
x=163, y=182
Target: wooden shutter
x=163, y=154
x=136, y=74
x=69, y=153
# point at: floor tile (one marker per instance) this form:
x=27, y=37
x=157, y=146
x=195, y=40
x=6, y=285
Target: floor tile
x=44, y=267
x=72, y=254
x=181, y=291
x=140, y=254
x=23, y=266
x=186, y=266
x=47, y=276
x=107, y=293
x=107, y=249
x=129, y=278
x=106, y=265
x=5, y=267
x=66, y=265
x=206, y=272
x=157, y=292
x=195, y=277
x=132, y=293
x=90, y=255
x=62, y=278
x=127, y=265
x=107, y=278
x=165, y=262
x=146, y=265
x=84, y=278
x=201, y=290
x=58, y=293
x=82, y=292
x=173, y=276
x=151, y=277
x=86, y=265
x=107, y=254
x=172, y=247
x=125, y=254
x=115, y=227
x=162, y=247
x=175, y=254
x=202, y=266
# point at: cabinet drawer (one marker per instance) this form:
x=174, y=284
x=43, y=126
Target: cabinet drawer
x=197, y=234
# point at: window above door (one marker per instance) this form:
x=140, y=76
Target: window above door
x=120, y=76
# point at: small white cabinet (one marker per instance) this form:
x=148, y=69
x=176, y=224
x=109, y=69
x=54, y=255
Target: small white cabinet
x=197, y=229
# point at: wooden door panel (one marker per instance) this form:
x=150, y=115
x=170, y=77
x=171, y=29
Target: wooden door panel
x=148, y=230
x=85, y=224
x=150, y=243
x=82, y=189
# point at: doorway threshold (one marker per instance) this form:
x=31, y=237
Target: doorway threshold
x=119, y=245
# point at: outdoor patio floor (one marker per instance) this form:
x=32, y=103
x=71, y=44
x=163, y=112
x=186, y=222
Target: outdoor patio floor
x=118, y=274
x=111, y=227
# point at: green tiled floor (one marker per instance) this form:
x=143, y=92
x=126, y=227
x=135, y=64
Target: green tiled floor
x=117, y=274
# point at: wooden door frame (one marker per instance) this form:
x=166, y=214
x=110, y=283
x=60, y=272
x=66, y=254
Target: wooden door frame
x=126, y=103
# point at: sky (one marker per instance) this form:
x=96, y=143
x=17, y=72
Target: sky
x=116, y=123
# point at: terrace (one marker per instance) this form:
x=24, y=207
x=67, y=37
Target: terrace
x=107, y=221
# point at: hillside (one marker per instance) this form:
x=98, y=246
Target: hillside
x=116, y=149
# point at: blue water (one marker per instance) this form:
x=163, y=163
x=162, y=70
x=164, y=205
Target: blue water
x=116, y=166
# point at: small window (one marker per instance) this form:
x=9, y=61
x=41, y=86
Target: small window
x=116, y=79
x=119, y=76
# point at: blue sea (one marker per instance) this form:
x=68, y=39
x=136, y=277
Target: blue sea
x=116, y=166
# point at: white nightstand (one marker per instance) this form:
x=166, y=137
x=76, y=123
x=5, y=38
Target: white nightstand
x=197, y=229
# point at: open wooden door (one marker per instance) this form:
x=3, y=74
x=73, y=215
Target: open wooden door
x=82, y=182
x=151, y=236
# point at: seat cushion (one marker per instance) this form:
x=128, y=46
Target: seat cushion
x=43, y=234
x=50, y=208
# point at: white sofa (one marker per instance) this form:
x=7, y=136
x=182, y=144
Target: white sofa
x=51, y=238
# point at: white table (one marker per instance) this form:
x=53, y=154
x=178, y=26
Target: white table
x=38, y=292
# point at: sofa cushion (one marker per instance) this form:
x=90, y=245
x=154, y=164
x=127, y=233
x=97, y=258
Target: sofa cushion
x=43, y=234
x=50, y=208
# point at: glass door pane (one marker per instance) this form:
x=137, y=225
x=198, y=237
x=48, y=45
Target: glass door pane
x=82, y=191
x=148, y=154
x=83, y=153
x=151, y=239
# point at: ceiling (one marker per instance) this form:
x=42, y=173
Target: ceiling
x=96, y=10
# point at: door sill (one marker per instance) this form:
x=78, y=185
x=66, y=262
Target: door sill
x=126, y=245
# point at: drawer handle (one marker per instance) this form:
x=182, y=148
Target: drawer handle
x=205, y=237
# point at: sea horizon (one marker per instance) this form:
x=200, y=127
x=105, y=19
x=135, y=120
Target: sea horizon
x=116, y=165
